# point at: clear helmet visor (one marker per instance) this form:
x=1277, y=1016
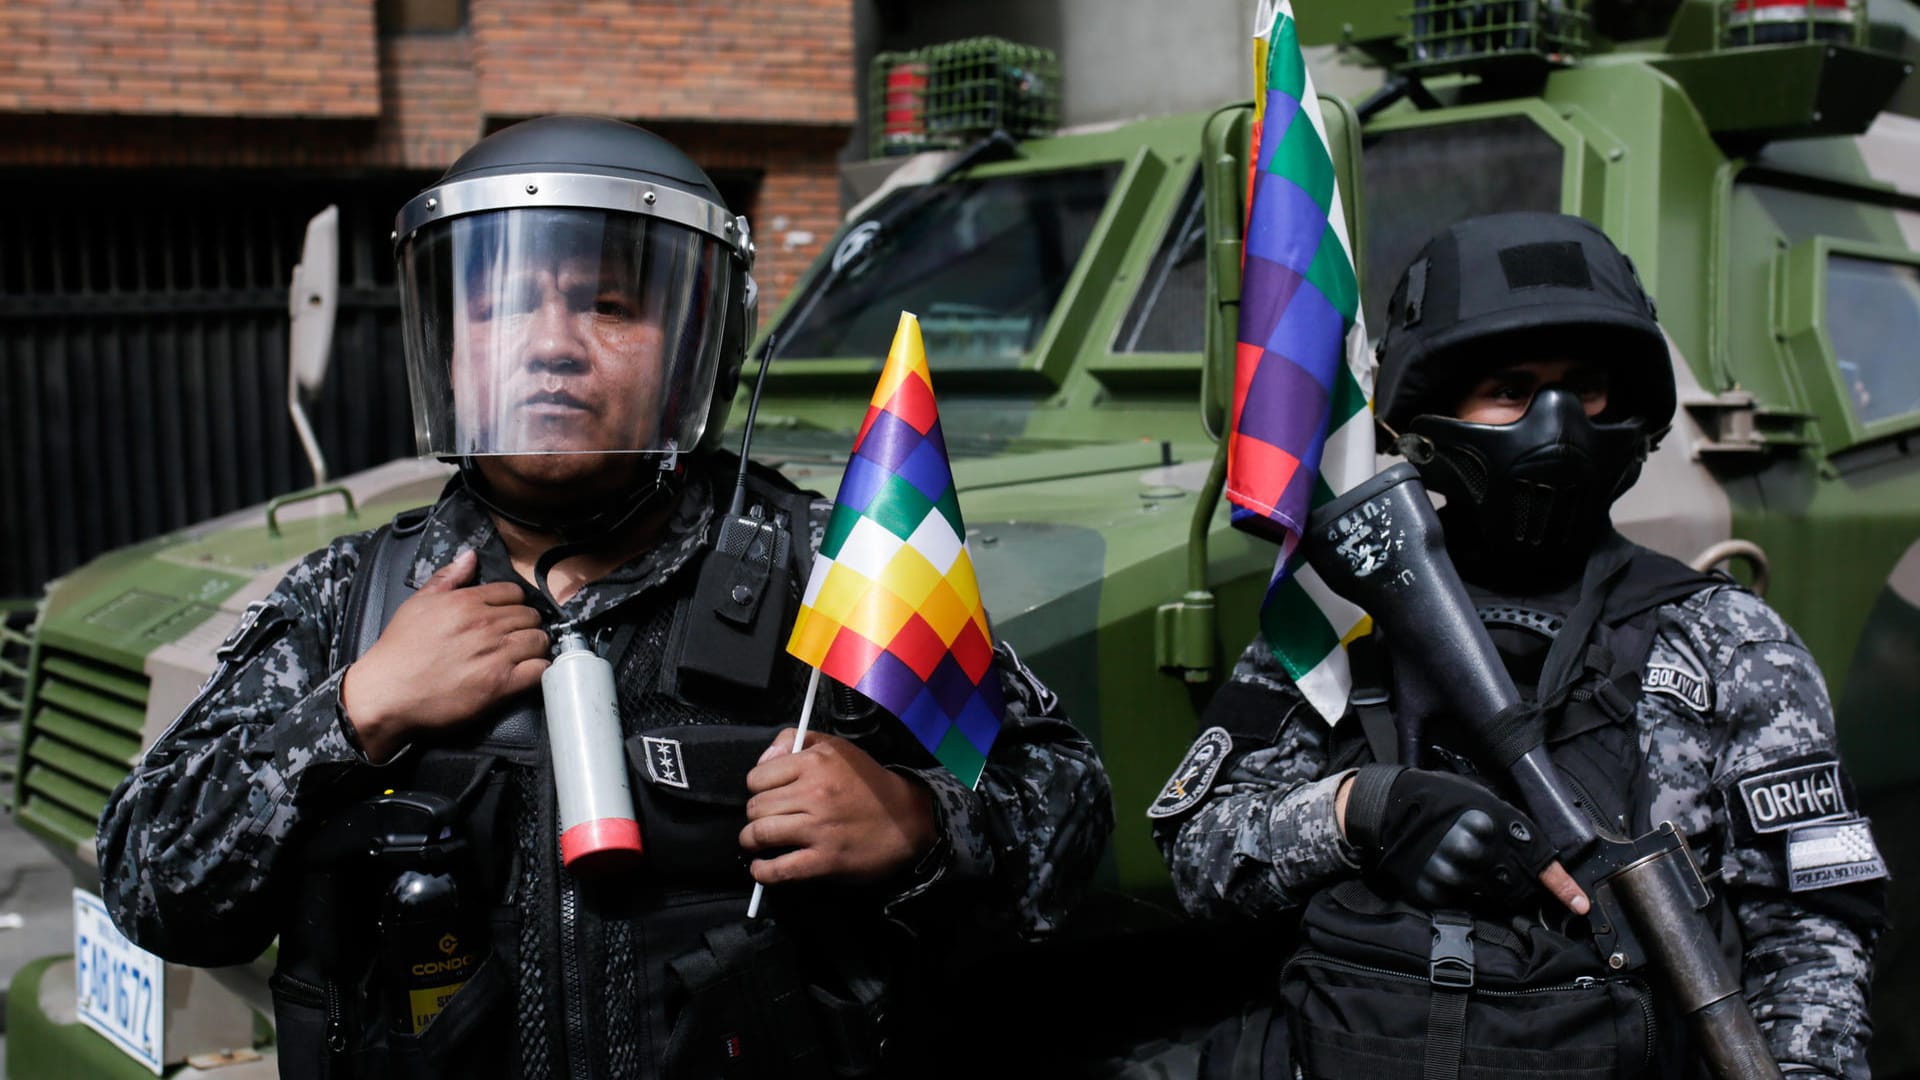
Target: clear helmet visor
x=561, y=331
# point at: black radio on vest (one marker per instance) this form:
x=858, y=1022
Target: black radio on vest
x=431, y=937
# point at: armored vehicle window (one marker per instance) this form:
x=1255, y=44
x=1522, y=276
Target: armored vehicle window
x=1420, y=180
x=1169, y=310
x=1870, y=306
x=981, y=262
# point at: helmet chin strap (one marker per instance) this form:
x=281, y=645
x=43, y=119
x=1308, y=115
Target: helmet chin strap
x=577, y=535
x=581, y=529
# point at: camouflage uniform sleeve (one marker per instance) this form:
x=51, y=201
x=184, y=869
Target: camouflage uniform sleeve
x=191, y=842
x=1808, y=953
x=1018, y=850
x=1261, y=837
x=1025, y=842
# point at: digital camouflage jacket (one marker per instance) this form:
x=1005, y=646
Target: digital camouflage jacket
x=1738, y=739
x=198, y=845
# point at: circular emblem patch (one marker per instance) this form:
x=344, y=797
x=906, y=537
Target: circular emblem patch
x=1194, y=775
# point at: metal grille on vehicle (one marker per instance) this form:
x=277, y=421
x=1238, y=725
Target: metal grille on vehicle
x=81, y=737
x=16, y=642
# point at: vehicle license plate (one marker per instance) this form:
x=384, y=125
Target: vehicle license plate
x=119, y=985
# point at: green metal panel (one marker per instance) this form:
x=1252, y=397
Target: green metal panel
x=1803, y=325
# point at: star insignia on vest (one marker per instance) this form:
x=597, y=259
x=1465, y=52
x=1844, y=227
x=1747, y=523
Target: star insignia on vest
x=1687, y=687
x=665, y=764
x=1832, y=853
x=1194, y=776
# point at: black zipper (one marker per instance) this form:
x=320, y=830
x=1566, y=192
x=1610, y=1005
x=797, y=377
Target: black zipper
x=1641, y=997
x=328, y=998
x=574, y=1007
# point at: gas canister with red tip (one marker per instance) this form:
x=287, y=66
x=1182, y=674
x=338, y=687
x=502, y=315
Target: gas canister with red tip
x=597, y=822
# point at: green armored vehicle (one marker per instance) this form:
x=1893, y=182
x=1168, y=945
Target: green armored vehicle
x=1078, y=297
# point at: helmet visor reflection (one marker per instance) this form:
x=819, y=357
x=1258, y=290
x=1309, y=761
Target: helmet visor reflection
x=560, y=331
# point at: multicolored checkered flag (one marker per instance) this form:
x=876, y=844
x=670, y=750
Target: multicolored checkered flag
x=1302, y=414
x=892, y=608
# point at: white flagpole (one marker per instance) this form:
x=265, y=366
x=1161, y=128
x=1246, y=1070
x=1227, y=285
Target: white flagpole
x=799, y=735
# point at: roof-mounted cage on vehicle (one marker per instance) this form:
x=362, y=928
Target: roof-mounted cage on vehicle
x=1740, y=23
x=947, y=95
x=1516, y=35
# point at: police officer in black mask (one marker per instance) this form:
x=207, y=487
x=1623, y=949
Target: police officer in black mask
x=1523, y=372
x=372, y=752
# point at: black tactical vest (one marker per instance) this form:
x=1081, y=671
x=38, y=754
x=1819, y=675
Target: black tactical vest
x=646, y=972
x=1582, y=656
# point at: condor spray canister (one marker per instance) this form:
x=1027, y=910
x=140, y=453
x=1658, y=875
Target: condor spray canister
x=597, y=823
x=431, y=927
x=430, y=945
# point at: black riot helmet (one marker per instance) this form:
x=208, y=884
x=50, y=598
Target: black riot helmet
x=573, y=285
x=1529, y=498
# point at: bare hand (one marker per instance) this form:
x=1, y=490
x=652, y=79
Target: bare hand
x=451, y=651
x=838, y=812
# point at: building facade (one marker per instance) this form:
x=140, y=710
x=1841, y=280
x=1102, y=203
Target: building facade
x=161, y=158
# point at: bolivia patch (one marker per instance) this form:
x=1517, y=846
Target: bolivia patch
x=1688, y=687
x=1832, y=853
x=1194, y=775
x=1793, y=796
x=665, y=765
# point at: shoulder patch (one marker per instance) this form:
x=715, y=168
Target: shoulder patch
x=1678, y=682
x=1791, y=796
x=1194, y=775
x=1832, y=853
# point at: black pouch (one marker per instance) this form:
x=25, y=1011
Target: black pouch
x=1381, y=990
x=747, y=1013
x=322, y=1033
x=470, y=1037
x=690, y=792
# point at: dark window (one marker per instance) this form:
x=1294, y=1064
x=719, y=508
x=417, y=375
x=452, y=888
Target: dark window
x=1870, y=305
x=981, y=262
x=143, y=335
x=1420, y=180
x=421, y=16
x=739, y=188
x=1169, y=310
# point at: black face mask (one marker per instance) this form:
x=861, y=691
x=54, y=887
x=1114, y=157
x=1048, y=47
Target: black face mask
x=1527, y=501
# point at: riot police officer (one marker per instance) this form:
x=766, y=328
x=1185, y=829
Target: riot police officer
x=576, y=305
x=1523, y=373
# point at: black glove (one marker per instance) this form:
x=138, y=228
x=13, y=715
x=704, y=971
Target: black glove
x=1443, y=841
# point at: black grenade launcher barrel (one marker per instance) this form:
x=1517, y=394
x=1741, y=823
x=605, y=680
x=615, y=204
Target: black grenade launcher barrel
x=1381, y=546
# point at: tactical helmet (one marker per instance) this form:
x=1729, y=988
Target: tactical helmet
x=573, y=284
x=1499, y=290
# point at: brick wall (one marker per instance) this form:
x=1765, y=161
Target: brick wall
x=189, y=57
x=798, y=205
x=779, y=103
x=766, y=61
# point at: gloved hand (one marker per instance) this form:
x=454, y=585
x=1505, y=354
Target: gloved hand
x=1443, y=841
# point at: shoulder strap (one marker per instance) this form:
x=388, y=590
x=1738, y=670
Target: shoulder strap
x=1372, y=700
x=379, y=587
x=1651, y=580
x=724, y=643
